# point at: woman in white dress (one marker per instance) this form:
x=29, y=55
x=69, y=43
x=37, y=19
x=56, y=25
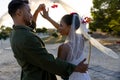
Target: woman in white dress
x=72, y=49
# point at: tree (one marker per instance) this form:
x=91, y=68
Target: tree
x=43, y=30
x=55, y=34
x=106, y=16
x=38, y=30
x=4, y=32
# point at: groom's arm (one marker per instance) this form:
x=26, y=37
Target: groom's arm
x=37, y=11
x=35, y=15
x=37, y=55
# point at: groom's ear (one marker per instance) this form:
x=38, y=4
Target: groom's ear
x=19, y=12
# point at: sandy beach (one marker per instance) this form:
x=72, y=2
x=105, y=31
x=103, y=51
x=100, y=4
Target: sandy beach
x=102, y=67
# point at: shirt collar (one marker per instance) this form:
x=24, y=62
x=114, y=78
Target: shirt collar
x=22, y=27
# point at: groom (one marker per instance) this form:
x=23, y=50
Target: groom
x=29, y=50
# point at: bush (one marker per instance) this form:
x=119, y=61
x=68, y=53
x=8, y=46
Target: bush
x=5, y=32
x=41, y=30
x=55, y=34
x=4, y=35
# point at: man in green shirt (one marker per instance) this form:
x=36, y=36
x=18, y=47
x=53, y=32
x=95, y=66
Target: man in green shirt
x=29, y=50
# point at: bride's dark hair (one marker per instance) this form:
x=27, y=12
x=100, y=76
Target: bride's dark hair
x=68, y=20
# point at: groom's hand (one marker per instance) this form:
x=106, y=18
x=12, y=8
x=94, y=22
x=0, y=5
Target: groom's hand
x=81, y=67
x=40, y=7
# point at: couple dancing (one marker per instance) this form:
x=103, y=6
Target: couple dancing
x=30, y=52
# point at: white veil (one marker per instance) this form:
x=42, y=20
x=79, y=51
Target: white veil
x=75, y=41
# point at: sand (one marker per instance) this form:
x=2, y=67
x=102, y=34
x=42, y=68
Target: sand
x=102, y=67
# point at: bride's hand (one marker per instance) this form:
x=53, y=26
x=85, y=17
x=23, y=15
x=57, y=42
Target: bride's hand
x=45, y=13
x=81, y=67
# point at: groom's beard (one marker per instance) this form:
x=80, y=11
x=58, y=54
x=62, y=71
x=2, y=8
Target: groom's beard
x=33, y=25
x=27, y=22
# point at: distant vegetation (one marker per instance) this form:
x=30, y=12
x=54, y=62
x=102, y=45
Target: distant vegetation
x=5, y=32
x=51, y=32
x=41, y=30
x=106, y=16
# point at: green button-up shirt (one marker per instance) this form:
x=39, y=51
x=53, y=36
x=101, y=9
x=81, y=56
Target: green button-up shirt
x=35, y=61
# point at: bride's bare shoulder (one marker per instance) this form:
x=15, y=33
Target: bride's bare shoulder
x=64, y=46
x=63, y=51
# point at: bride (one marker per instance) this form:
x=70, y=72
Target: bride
x=72, y=49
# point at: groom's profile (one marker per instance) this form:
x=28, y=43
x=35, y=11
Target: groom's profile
x=29, y=50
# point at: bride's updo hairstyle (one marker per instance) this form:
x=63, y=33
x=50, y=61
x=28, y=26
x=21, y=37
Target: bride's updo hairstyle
x=68, y=19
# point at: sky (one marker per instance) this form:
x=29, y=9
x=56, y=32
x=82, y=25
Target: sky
x=82, y=6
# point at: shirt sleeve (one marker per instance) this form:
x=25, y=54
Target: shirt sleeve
x=37, y=55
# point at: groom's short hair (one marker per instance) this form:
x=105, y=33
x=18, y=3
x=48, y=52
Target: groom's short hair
x=14, y=5
x=22, y=0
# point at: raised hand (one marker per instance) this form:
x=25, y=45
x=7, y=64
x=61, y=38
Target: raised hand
x=37, y=11
x=45, y=13
x=41, y=7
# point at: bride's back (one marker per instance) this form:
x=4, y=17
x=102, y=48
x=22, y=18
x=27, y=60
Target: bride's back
x=76, y=48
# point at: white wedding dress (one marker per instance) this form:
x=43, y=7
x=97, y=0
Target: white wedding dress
x=76, y=58
x=75, y=42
